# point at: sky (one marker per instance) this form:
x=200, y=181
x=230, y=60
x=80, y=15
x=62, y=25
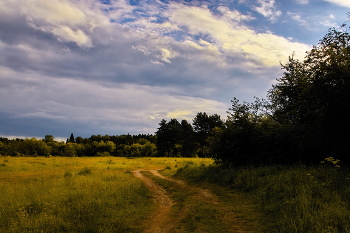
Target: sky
x=115, y=67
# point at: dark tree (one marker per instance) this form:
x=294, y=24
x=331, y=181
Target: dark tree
x=188, y=140
x=71, y=138
x=203, y=125
x=168, y=137
x=313, y=97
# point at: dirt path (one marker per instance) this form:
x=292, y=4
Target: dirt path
x=203, y=194
x=161, y=220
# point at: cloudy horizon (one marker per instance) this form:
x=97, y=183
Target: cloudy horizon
x=116, y=66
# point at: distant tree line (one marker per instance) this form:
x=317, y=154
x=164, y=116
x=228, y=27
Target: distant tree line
x=141, y=145
x=173, y=139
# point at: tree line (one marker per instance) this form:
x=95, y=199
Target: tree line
x=173, y=139
x=141, y=145
x=304, y=118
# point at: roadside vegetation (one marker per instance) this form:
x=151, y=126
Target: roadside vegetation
x=293, y=198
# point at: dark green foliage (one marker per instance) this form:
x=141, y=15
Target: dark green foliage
x=96, y=145
x=305, y=118
x=203, y=126
x=181, y=139
x=71, y=138
x=168, y=137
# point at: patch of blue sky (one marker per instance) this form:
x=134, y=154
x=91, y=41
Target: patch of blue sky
x=134, y=2
x=106, y=2
x=125, y=20
x=177, y=35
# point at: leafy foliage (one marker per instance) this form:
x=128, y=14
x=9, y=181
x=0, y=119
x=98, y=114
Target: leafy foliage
x=305, y=117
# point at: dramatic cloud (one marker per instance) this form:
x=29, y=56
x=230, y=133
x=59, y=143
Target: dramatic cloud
x=117, y=66
x=232, y=38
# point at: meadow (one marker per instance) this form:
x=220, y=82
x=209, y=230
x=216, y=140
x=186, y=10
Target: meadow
x=100, y=194
x=61, y=194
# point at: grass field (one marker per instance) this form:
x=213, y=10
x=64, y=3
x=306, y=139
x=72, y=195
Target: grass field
x=101, y=194
x=87, y=194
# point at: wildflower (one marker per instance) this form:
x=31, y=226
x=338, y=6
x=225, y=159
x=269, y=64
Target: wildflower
x=331, y=162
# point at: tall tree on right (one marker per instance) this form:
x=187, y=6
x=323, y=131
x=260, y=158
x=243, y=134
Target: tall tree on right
x=313, y=97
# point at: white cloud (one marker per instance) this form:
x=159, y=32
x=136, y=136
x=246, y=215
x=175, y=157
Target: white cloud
x=302, y=2
x=117, y=9
x=67, y=34
x=69, y=21
x=344, y=3
x=267, y=8
x=263, y=47
x=166, y=55
x=329, y=24
x=234, y=15
x=297, y=18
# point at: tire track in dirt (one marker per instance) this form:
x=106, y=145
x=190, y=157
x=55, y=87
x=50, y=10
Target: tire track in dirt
x=203, y=194
x=160, y=219
x=162, y=222
x=228, y=216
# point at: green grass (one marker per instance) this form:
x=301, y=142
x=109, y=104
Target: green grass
x=75, y=194
x=291, y=198
x=86, y=202
x=101, y=195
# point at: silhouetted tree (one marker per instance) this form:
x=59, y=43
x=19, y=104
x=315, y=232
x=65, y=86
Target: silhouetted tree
x=203, y=125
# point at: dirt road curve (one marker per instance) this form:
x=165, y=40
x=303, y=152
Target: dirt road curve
x=161, y=221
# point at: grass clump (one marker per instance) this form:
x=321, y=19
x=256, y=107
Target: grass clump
x=85, y=171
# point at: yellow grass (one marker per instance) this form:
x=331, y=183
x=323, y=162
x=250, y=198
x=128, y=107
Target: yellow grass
x=86, y=194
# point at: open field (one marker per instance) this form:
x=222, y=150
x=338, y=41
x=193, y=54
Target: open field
x=110, y=194
x=74, y=194
x=98, y=194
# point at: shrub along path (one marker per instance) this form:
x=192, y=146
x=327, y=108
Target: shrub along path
x=187, y=208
